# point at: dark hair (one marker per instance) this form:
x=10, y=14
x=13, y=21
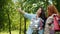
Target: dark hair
x=43, y=16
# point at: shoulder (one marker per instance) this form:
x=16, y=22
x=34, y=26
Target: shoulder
x=49, y=19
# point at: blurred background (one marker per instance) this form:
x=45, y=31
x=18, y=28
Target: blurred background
x=12, y=22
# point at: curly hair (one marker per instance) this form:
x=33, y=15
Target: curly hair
x=52, y=10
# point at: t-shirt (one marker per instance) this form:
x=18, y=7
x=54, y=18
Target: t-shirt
x=33, y=20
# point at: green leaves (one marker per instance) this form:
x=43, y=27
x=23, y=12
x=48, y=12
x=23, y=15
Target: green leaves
x=29, y=6
x=10, y=7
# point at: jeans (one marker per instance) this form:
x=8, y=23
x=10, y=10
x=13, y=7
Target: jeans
x=30, y=31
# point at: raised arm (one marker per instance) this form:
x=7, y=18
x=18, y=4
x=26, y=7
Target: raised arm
x=21, y=11
x=27, y=15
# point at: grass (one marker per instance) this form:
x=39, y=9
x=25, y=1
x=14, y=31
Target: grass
x=12, y=32
x=16, y=32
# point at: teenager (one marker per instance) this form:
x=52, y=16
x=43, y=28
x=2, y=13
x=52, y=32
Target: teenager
x=49, y=27
x=35, y=20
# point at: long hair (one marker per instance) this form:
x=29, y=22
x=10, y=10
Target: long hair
x=52, y=10
x=43, y=16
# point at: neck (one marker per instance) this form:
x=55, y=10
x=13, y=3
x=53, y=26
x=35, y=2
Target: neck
x=37, y=16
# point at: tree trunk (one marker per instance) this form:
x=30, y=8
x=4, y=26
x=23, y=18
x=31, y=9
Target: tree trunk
x=20, y=25
x=24, y=25
x=9, y=24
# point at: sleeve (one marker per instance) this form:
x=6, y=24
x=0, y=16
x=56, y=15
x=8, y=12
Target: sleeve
x=49, y=21
x=29, y=16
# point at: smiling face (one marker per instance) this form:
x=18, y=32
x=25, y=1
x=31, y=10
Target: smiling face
x=39, y=11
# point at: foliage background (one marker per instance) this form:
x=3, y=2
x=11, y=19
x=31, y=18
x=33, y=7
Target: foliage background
x=11, y=20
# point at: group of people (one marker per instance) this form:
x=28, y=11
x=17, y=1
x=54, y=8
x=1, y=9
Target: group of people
x=40, y=20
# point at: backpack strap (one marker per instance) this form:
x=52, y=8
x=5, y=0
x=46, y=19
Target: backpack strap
x=41, y=25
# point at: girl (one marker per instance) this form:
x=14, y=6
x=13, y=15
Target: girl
x=35, y=20
x=49, y=29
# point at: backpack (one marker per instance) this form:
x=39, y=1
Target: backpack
x=56, y=23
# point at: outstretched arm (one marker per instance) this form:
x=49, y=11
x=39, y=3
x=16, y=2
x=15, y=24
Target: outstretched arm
x=21, y=11
x=29, y=16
